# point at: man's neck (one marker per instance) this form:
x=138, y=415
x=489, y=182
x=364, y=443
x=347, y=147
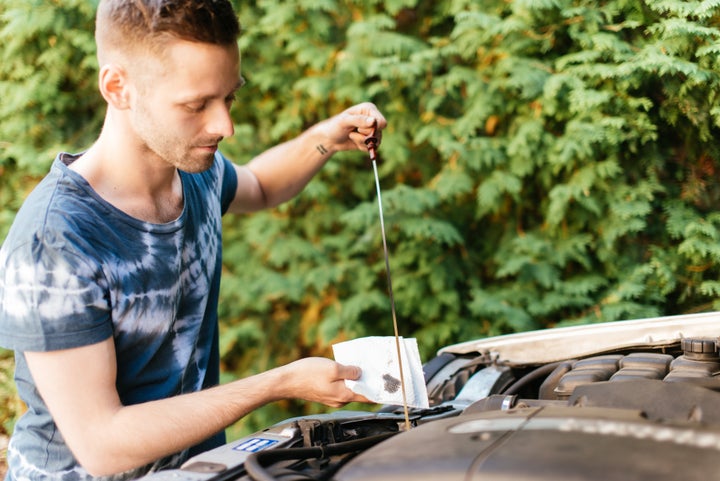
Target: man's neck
x=138, y=183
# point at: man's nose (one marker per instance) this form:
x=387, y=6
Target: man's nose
x=220, y=122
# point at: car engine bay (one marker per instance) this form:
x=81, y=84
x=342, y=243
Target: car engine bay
x=630, y=400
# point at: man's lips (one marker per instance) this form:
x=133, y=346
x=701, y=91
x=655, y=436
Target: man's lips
x=209, y=145
x=208, y=148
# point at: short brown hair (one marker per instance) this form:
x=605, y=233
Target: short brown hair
x=128, y=24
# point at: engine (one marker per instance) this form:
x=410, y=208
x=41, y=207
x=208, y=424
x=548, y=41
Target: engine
x=633, y=401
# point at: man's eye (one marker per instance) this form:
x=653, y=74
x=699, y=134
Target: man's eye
x=195, y=107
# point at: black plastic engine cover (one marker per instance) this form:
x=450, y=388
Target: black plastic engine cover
x=543, y=444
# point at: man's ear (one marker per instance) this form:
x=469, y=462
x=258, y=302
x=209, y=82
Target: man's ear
x=114, y=86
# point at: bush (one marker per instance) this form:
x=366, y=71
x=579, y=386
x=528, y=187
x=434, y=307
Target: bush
x=547, y=162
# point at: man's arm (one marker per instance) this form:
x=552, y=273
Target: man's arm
x=78, y=386
x=281, y=172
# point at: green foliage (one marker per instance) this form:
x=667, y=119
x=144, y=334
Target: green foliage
x=546, y=162
x=10, y=404
x=47, y=80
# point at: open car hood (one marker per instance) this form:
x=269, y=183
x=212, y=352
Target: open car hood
x=551, y=345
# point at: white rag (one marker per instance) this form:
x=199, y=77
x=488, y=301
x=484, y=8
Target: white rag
x=377, y=356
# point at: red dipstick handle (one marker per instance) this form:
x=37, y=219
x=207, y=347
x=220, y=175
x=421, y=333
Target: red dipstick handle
x=371, y=142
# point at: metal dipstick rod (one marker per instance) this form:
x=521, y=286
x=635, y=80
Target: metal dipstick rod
x=371, y=143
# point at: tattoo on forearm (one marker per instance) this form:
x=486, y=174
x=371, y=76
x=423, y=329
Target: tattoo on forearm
x=321, y=148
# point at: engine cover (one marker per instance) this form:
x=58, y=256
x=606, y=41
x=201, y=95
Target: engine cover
x=542, y=444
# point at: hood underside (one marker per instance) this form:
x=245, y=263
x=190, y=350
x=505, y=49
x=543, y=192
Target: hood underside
x=552, y=345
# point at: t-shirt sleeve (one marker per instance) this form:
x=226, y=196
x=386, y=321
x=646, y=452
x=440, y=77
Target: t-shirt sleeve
x=229, y=184
x=51, y=299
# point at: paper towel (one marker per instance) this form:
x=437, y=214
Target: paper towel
x=377, y=356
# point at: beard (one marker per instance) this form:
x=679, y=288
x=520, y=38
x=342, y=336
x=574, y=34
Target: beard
x=172, y=147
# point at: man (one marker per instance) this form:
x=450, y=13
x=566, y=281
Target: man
x=109, y=276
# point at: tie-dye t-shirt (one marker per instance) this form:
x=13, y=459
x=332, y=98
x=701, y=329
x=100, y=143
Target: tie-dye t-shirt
x=74, y=271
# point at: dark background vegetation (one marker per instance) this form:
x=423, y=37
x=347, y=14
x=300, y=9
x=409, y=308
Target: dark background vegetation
x=547, y=162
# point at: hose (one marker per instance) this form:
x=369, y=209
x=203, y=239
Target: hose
x=256, y=462
x=533, y=375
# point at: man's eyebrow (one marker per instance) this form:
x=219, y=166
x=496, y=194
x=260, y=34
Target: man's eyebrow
x=240, y=84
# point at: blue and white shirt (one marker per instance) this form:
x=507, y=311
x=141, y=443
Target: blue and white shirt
x=74, y=271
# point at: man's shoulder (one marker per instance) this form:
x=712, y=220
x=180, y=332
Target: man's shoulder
x=57, y=210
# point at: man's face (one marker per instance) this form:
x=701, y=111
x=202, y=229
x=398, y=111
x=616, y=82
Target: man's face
x=182, y=103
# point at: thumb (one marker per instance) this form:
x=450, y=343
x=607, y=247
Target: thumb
x=352, y=373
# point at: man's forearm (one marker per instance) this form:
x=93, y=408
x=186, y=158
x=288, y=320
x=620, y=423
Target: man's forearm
x=284, y=170
x=78, y=386
x=140, y=434
x=281, y=172
x=152, y=430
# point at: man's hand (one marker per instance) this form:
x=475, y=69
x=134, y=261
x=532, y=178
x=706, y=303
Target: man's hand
x=348, y=129
x=321, y=380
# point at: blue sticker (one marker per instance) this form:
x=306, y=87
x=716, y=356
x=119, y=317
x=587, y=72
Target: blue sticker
x=254, y=445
